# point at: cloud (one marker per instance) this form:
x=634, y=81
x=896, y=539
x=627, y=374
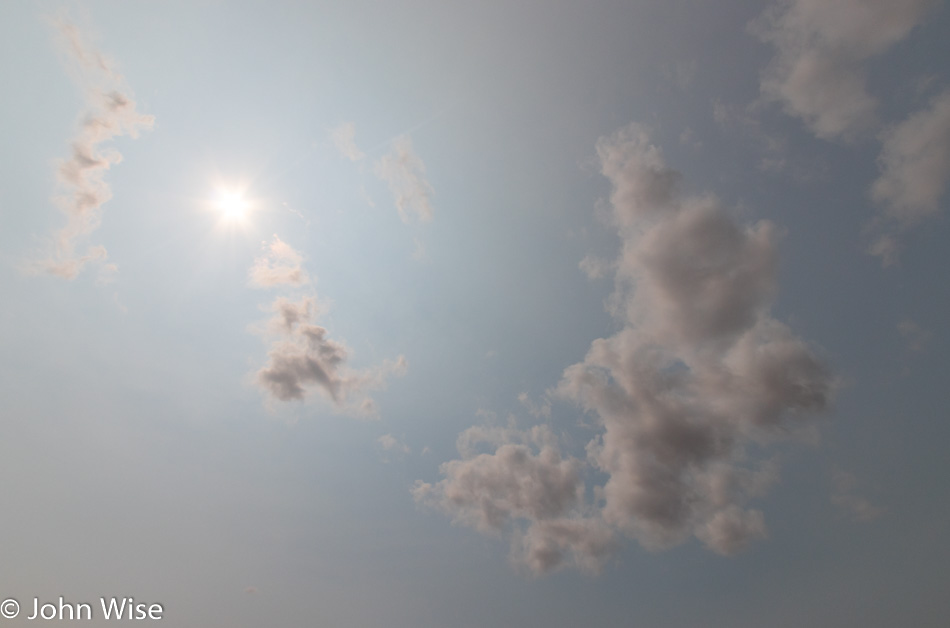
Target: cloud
x=110, y=113
x=279, y=265
x=818, y=73
x=916, y=337
x=344, y=138
x=304, y=359
x=698, y=373
x=595, y=267
x=521, y=484
x=390, y=443
x=699, y=370
x=404, y=172
x=537, y=410
x=843, y=497
x=915, y=164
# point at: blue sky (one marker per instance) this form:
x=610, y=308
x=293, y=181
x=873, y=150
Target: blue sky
x=433, y=314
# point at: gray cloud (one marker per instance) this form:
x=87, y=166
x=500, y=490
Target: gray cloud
x=302, y=356
x=522, y=485
x=343, y=137
x=698, y=373
x=844, y=498
x=279, y=265
x=404, y=172
x=110, y=113
x=915, y=169
x=699, y=370
x=818, y=72
x=916, y=338
x=390, y=443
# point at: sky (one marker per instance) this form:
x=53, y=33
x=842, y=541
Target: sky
x=427, y=314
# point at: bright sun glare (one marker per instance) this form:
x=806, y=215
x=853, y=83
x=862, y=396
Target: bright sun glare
x=231, y=205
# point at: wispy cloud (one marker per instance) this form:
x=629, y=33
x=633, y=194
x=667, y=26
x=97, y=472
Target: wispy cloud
x=110, y=113
x=404, y=172
x=303, y=358
x=818, y=73
x=915, y=169
x=844, y=498
x=392, y=444
x=343, y=137
x=279, y=265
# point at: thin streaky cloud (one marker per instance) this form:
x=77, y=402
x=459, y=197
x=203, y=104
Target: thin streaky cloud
x=404, y=173
x=343, y=137
x=915, y=171
x=279, y=265
x=303, y=358
x=110, y=113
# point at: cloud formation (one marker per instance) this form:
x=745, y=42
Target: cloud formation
x=699, y=371
x=390, y=443
x=110, y=113
x=843, y=497
x=915, y=170
x=818, y=73
x=404, y=173
x=303, y=358
x=279, y=265
x=524, y=485
x=344, y=138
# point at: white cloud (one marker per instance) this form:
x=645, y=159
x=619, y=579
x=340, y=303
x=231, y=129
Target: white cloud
x=279, y=265
x=404, y=172
x=344, y=138
x=110, y=113
x=818, y=74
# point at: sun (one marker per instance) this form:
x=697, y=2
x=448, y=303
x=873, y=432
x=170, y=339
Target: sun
x=231, y=205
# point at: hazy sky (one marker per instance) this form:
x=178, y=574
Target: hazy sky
x=428, y=314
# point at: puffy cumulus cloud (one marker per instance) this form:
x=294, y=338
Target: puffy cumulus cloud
x=915, y=169
x=697, y=374
x=404, y=173
x=818, y=72
x=523, y=485
x=280, y=265
x=110, y=113
x=344, y=139
x=547, y=545
x=304, y=358
x=699, y=370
